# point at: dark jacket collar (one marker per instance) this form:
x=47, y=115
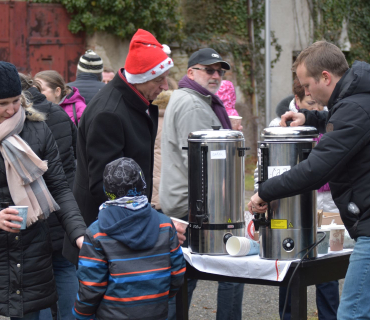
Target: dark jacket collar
x=87, y=76
x=356, y=80
x=37, y=96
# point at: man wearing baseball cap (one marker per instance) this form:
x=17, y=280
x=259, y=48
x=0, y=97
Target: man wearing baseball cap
x=194, y=106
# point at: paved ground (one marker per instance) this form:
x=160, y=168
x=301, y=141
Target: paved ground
x=259, y=302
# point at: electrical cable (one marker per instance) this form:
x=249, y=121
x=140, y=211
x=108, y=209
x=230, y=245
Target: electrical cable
x=309, y=248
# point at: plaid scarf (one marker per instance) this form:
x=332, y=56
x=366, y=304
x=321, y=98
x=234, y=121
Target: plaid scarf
x=24, y=170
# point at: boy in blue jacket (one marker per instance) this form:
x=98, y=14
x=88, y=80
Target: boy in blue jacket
x=131, y=262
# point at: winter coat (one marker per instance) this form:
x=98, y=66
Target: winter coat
x=73, y=100
x=342, y=157
x=26, y=272
x=115, y=124
x=131, y=263
x=187, y=111
x=161, y=101
x=65, y=135
x=88, y=85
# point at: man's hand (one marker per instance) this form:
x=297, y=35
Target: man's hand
x=298, y=119
x=180, y=232
x=80, y=241
x=257, y=204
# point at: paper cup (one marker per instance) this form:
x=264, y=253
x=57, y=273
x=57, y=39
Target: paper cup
x=241, y=246
x=181, y=222
x=323, y=247
x=22, y=212
x=236, y=121
x=336, y=238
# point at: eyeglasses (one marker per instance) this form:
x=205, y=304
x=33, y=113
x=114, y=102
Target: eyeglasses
x=212, y=71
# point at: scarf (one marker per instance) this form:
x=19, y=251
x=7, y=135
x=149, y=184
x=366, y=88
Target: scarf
x=24, y=170
x=216, y=104
x=132, y=203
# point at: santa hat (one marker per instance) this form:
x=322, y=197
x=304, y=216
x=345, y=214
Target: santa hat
x=147, y=58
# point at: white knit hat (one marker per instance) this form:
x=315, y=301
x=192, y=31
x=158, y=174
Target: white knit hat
x=90, y=62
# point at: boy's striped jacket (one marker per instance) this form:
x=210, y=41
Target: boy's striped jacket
x=129, y=266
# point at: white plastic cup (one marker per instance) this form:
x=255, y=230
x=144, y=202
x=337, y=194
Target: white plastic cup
x=323, y=246
x=181, y=222
x=236, y=121
x=336, y=238
x=241, y=246
x=22, y=212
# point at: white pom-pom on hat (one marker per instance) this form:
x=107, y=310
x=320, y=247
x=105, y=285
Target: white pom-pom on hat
x=166, y=49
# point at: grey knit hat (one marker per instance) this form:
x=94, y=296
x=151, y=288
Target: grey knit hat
x=90, y=62
x=10, y=84
x=123, y=177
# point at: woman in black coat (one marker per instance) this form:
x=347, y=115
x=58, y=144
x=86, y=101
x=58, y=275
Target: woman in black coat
x=27, y=282
x=65, y=134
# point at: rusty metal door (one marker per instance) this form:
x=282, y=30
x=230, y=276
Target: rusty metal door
x=35, y=37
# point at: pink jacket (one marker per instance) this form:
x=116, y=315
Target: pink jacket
x=227, y=95
x=73, y=98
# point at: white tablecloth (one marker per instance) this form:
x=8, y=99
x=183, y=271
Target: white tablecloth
x=252, y=267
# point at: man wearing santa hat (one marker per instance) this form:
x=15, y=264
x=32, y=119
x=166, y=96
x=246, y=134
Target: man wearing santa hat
x=121, y=121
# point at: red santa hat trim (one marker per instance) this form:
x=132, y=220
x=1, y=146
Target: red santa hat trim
x=146, y=59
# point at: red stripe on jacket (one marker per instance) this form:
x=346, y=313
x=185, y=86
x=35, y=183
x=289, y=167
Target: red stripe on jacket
x=133, y=272
x=150, y=296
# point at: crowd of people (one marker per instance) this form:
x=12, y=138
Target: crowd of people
x=100, y=166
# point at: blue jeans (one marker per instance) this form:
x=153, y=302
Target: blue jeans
x=327, y=301
x=354, y=302
x=29, y=316
x=229, y=300
x=67, y=287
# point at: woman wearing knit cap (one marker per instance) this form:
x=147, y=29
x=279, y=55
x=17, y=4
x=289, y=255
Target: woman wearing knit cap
x=56, y=90
x=31, y=175
x=121, y=121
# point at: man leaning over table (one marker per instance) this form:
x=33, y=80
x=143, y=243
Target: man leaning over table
x=342, y=157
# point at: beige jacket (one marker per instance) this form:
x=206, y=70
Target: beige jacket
x=161, y=102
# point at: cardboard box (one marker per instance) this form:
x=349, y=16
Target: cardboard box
x=325, y=218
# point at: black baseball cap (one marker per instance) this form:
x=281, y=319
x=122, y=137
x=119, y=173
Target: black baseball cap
x=206, y=57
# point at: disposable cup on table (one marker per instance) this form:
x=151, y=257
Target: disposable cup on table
x=323, y=246
x=241, y=246
x=22, y=212
x=336, y=238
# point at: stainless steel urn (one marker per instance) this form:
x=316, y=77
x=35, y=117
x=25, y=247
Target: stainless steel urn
x=216, y=189
x=289, y=229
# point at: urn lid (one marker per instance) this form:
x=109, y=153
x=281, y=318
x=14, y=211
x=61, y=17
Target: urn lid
x=300, y=132
x=215, y=134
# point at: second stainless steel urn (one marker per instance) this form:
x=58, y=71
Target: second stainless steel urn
x=289, y=228
x=216, y=188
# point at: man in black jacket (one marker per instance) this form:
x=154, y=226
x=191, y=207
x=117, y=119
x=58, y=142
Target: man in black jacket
x=342, y=157
x=89, y=75
x=120, y=121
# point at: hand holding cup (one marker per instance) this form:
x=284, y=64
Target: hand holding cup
x=180, y=226
x=10, y=220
